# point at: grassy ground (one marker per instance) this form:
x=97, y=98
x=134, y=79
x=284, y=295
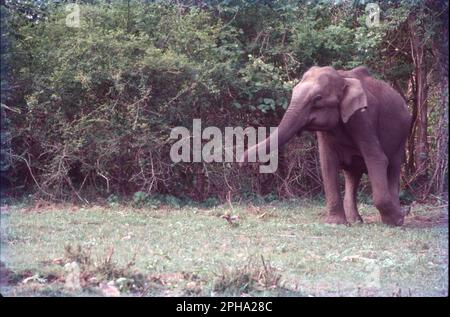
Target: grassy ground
x=277, y=249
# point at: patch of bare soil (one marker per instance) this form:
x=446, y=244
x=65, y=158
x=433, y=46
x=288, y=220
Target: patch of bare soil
x=43, y=205
x=434, y=220
x=416, y=221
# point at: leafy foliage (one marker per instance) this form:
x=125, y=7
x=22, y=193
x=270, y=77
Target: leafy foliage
x=97, y=102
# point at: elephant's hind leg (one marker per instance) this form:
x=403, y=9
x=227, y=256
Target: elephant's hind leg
x=389, y=207
x=394, y=169
x=351, y=189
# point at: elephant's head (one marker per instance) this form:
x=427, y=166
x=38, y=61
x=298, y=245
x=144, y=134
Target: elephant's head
x=321, y=100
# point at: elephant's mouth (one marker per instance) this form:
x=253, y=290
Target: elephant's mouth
x=313, y=126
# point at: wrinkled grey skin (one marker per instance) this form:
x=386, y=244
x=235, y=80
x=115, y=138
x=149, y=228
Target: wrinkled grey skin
x=362, y=125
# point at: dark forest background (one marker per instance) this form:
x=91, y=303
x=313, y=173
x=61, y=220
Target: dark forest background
x=87, y=112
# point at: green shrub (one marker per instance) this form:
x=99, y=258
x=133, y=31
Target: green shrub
x=96, y=104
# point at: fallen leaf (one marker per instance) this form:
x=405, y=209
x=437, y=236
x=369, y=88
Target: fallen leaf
x=127, y=237
x=231, y=219
x=109, y=290
x=354, y=258
x=34, y=278
x=58, y=261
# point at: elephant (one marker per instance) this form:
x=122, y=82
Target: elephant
x=362, y=125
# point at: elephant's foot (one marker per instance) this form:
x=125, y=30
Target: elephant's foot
x=393, y=219
x=338, y=219
x=354, y=218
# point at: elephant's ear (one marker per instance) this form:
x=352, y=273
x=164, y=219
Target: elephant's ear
x=354, y=98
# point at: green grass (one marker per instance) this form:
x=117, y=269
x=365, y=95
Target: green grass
x=195, y=252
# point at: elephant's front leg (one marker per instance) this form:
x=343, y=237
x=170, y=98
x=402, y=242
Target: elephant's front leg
x=329, y=164
x=352, y=179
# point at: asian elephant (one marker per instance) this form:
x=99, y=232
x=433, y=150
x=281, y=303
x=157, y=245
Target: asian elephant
x=362, y=125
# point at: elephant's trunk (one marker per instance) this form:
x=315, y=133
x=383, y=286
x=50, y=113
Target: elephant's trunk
x=293, y=121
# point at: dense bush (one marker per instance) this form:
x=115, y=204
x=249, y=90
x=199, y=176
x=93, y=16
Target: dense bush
x=95, y=104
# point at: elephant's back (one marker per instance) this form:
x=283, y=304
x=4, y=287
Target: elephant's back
x=386, y=99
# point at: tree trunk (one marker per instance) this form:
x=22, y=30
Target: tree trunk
x=440, y=52
x=421, y=92
x=411, y=140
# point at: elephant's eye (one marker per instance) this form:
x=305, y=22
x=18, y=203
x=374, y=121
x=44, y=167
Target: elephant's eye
x=317, y=98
